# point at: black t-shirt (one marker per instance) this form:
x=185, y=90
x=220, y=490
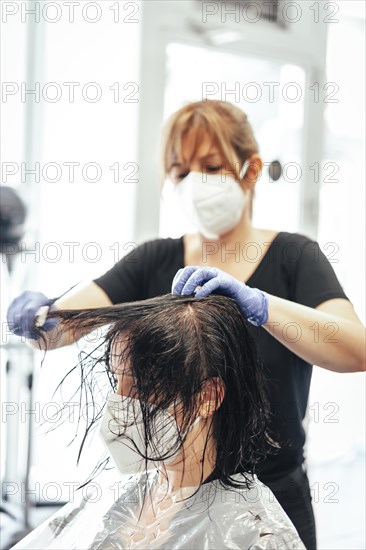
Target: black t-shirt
x=293, y=268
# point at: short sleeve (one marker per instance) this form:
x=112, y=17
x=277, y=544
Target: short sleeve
x=124, y=281
x=315, y=279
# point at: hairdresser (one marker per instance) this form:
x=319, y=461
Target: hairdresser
x=298, y=312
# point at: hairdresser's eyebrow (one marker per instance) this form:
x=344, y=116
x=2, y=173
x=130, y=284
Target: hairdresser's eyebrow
x=213, y=154
x=205, y=157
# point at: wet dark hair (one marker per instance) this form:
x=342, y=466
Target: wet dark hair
x=172, y=345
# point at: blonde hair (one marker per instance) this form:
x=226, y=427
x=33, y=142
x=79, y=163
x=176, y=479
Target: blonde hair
x=224, y=123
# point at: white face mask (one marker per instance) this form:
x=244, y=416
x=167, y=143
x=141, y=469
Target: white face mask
x=214, y=203
x=122, y=430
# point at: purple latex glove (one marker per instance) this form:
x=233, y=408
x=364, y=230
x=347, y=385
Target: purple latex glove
x=252, y=301
x=22, y=310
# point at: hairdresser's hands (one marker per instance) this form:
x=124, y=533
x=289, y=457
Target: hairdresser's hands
x=252, y=301
x=22, y=311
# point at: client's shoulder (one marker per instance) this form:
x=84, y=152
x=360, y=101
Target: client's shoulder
x=254, y=514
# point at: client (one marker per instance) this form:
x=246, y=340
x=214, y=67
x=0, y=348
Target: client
x=187, y=420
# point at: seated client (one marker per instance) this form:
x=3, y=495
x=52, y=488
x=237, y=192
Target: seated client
x=187, y=422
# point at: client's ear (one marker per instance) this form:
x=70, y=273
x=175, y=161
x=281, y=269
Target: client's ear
x=211, y=397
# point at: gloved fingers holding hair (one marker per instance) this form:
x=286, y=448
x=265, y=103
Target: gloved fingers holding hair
x=252, y=301
x=22, y=314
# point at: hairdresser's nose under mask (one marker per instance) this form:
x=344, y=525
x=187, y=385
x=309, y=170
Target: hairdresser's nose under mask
x=214, y=203
x=123, y=432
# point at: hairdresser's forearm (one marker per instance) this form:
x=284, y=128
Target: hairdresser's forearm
x=53, y=339
x=319, y=338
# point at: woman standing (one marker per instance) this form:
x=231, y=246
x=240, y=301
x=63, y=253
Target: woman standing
x=299, y=312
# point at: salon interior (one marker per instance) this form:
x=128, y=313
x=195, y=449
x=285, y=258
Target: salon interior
x=86, y=89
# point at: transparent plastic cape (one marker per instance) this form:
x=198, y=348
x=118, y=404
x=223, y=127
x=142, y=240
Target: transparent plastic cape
x=136, y=512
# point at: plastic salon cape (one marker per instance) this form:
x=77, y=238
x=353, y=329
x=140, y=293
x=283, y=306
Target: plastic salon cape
x=107, y=518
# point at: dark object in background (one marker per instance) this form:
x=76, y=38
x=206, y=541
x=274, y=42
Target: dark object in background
x=275, y=170
x=247, y=11
x=12, y=216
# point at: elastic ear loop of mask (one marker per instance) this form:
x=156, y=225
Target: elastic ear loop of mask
x=244, y=169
